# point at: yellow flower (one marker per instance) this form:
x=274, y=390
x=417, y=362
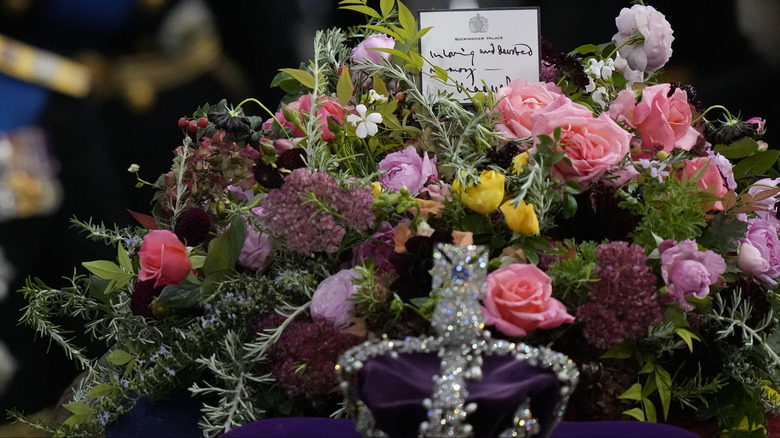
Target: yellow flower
x=376, y=189
x=521, y=219
x=518, y=162
x=486, y=195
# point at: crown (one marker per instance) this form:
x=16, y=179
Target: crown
x=459, y=383
x=478, y=24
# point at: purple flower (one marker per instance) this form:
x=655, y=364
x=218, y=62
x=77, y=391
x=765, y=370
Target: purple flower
x=689, y=272
x=364, y=53
x=767, y=204
x=257, y=248
x=407, y=169
x=624, y=302
x=306, y=228
x=725, y=168
x=759, y=252
x=379, y=248
x=652, y=47
x=332, y=299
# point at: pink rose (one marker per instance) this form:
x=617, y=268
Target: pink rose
x=364, y=53
x=662, y=120
x=257, y=248
x=653, y=47
x=407, y=169
x=689, y=272
x=164, y=258
x=327, y=108
x=518, y=100
x=767, y=204
x=711, y=181
x=518, y=301
x=332, y=298
x=759, y=252
x=592, y=145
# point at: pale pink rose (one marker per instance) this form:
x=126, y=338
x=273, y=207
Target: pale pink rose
x=593, y=145
x=665, y=120
x=257, y=248
x=622, y=108
x=767, y=204
x=655, y=47
x=407, y=169
x=163, y=257
x=689, y=272
x=327, y=108
x=332, y=298
x=517, y=101
x=711, y=181
x=518, y=301
x=363, y=52
x=759, y=252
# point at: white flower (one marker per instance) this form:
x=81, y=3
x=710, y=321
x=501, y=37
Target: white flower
x=133, y=168
x=365, y=124
x=600, y=96
x=373, y=97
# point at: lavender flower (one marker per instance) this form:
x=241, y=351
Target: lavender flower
x=308, y=227
x=624, y=302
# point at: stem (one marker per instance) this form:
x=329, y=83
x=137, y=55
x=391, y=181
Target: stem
x=635, y=38
x=721, y=107
x=273, y=116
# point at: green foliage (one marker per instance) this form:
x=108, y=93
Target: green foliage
x=572, y=275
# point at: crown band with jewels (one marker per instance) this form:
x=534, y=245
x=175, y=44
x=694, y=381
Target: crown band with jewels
x=459, y=383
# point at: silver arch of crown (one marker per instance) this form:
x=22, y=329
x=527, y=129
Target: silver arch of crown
x=459, y=275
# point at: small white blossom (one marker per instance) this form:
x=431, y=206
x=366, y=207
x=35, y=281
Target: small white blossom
x=600, y=96
x=133, y=168
x=365, y=124
x=374, y=97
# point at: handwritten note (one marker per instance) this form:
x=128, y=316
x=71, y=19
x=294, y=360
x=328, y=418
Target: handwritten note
x=480, y=49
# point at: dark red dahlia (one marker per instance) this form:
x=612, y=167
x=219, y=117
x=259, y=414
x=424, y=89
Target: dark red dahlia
x=141, y=299
x=291, y=159
x=192, y=226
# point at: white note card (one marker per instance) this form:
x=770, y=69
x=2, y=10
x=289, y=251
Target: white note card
x=475, y=45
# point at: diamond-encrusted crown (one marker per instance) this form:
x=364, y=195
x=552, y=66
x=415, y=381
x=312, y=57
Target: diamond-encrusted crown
x=459, y=383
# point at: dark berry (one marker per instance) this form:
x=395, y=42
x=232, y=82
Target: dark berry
x=192, y=226
x=192, y=126
x=183, y=123
x=202, y=122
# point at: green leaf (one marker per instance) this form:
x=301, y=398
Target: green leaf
x=379, y=85
x=363, y=10
x=664, y=382
x=182, y=296
x=416, y=59
x=421, y=33
x=224, y=249
x=742, y=148
x=632, y=393
x=396, y=53
x=78, y=408
x=441, y=73
x=212, y=281
x=100, y=390
x=386, y=6
x=619, y=351
x=119, y=357
x=757, y=163
x=105, y=269
x=344, y=87
x=585, y=49
x=124, y=258
x=649, y=407
x=688, y=337
x=197, y=261
x=406, y=18
x=305, y=78
x=636, y=413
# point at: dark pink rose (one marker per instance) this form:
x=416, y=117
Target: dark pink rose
x=363, y=52
x=163, y=258
x=711, y=181
x=592, y=145
x=518, y=301
x=256, y=252
x=327, y=108
x=664, y=120
x=517, y=101
x=759, y=252
x=654, y=47
x=689, y=272
x=332, y=298
x=407, y=169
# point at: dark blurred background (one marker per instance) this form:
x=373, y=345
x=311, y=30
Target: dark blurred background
x=154, y=61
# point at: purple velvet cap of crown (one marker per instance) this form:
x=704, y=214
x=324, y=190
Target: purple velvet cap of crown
x=393, y=389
